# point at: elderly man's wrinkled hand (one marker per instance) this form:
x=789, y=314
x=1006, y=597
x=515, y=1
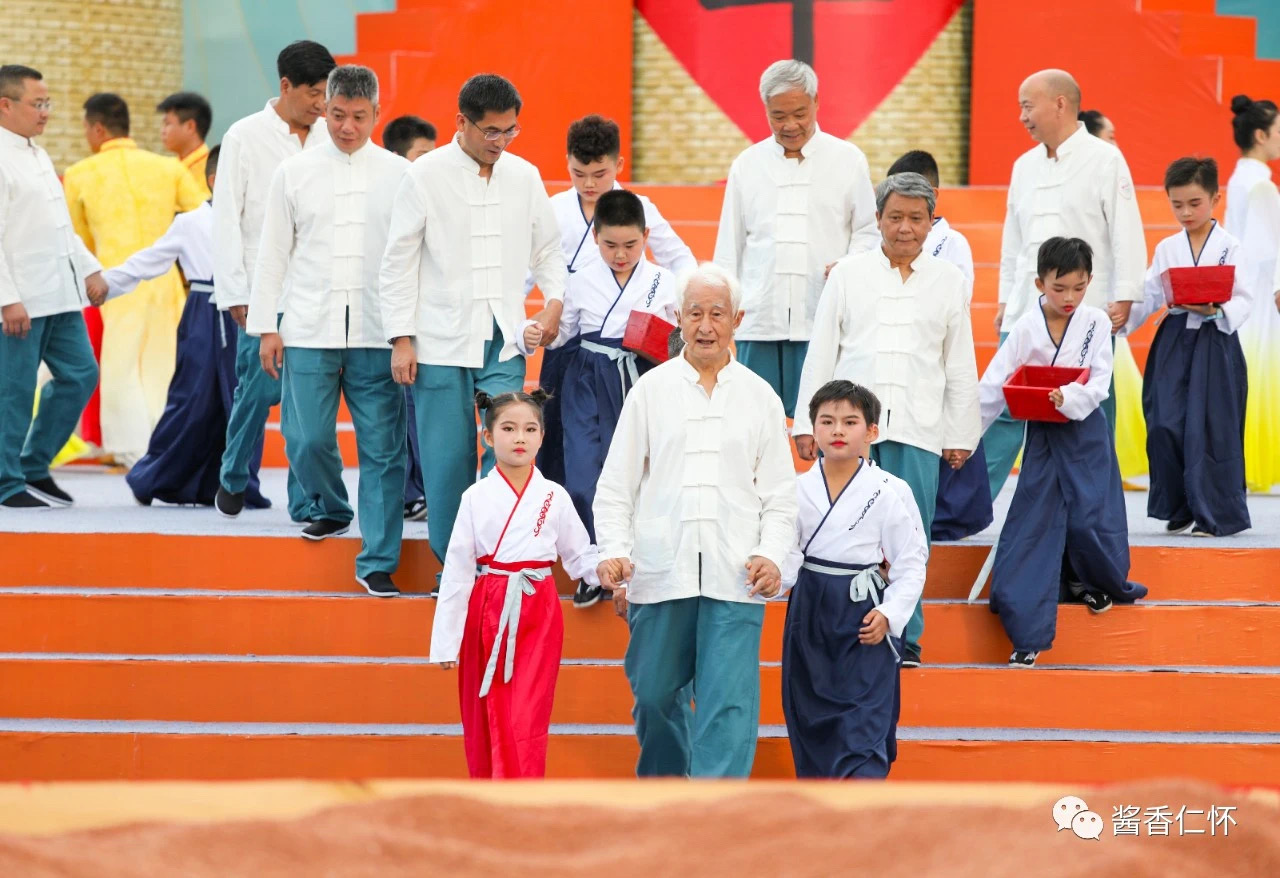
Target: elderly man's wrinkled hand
x=807, y=447
x=620, y=602
x=763, y=576
x=1119, y=313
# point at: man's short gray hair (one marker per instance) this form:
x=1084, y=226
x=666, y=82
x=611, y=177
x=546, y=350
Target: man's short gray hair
x=908, y=185
x=784, y=76
x=712, y=275
x=351, y=81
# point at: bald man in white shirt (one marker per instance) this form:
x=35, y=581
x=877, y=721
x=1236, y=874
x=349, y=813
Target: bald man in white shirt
x=1071, y=184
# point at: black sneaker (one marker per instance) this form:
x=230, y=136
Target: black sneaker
x=911, y=656
x=1023, y=659
x=416, y=511
x=1096, y=601
x=325, y=527
x=587, y=595
x=228, y=504
x=1198, y=531
x=23, y=500
x=1177, y=527
x=47, y=490
x=379, y=585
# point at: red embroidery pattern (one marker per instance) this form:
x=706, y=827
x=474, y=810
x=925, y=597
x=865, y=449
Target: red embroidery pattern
x=542, y=516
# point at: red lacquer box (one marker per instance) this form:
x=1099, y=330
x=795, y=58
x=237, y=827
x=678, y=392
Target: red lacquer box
x=1198, y=285
x=648, y=335
x=1027, y=391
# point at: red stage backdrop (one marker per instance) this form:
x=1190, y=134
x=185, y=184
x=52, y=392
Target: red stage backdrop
x=860, y=49
x=1164, y=71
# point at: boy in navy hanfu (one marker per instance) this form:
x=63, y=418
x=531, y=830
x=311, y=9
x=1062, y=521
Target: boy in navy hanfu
x=1196, y=385
x=842, y=642
x=1066, y=525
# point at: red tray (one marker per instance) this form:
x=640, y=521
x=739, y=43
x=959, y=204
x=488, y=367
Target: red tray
x=649, y=336
x=1199, y=285
x=1027, y=391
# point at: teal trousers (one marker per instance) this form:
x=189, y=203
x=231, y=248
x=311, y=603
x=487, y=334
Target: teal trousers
x=26, y=446
x=713, y=646
x=256, y=392
x=363, y=375
x=779, y=363
x=445, y=408
x=919, y=469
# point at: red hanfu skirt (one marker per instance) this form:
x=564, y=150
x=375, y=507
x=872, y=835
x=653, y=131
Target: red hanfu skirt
x=504, y=732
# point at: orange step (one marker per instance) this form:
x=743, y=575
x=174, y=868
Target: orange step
x=315, y=626
x=289, y=692
x=144, y=756
x=288, y=564
x=1201, y=33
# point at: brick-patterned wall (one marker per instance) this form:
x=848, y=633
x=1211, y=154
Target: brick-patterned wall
x=130, y=47
x=681, y=136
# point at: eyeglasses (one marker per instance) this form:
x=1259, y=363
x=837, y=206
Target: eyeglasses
x=42, y=106
x=489, y=134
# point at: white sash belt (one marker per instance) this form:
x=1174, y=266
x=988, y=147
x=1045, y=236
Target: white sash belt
x=626, y=361
x=863, y=584
x=519, y=584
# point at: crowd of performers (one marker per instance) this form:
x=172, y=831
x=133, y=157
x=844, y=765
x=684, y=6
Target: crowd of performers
x=655, y=461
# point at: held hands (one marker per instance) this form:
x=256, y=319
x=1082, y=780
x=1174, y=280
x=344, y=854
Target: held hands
x=1056, y=397
x=874, y=628
x=95, y=287
x=806, y=447
x=16, y=321
x=549, y=321
x=532, y=336
x=615, y=573
x=271, y=353
x=763, y=576
x=240, y=314
x=955, y=457
x=448, y=666
x=404, y=361
x=1119, y=312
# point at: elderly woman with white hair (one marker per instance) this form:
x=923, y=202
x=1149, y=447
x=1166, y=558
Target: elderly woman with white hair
x=695, y=513
x=896, y=320
x=795, y=202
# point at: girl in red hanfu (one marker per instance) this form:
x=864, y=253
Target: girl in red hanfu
x=498, y=617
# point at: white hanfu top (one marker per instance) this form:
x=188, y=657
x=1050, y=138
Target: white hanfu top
x=1220, y=248
x=1086, y=192
x=595, y=302
x=696, y=484
x=458, y=251
x=784, y=221
x=322, y=242
x=189, y=242
x=909, y=341
x=43, y=262
x=511, y=526
x=251, y=151
x=873, y=519
x=1086, y=343
x=950, y=245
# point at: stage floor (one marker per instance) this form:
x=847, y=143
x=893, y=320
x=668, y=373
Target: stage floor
x=104, y=504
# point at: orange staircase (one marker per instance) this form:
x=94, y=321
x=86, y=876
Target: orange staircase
x=977, y=212
x=140, y=656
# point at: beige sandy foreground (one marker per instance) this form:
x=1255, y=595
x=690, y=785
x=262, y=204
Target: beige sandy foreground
x=393, y=828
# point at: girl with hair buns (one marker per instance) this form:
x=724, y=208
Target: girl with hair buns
x=1253, y=218
x=511, y=527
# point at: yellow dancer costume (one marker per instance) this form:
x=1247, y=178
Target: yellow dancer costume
x=195, y=163
x=1131, y=425
x=121, y=200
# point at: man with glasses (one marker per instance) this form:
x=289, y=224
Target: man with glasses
x=470, y=220
x=47, y=276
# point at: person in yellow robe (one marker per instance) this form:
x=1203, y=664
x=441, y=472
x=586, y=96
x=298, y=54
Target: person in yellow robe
x=183, y=129
x=122, y=199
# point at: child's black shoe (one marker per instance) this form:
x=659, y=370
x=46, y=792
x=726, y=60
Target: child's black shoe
x=1096, y=601
x=1023, y=659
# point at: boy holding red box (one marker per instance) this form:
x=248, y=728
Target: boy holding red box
x=599, y=302
x=1066, y=524
x=1196, y=385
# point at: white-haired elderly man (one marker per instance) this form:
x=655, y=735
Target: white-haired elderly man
x=896, y=320
x=794, y=203
x=695, y=511
x=323, y=236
